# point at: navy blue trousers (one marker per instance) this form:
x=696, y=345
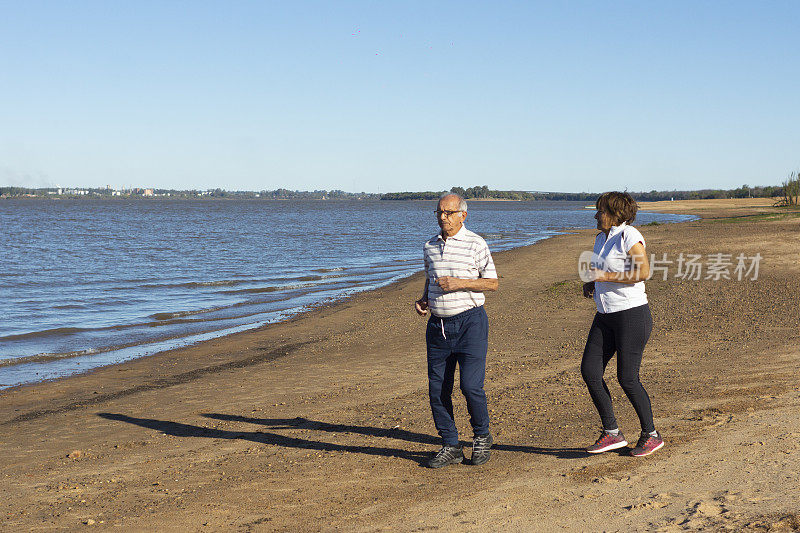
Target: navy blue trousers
x=461, y=339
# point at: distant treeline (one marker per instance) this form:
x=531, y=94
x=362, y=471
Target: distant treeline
x=470, y=193
x=286, y=194
x=484, y=192
x=105, y=192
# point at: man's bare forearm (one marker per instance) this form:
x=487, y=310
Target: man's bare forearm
x=482, y=284
x=450, y=284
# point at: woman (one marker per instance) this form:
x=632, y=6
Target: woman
x=622, y=324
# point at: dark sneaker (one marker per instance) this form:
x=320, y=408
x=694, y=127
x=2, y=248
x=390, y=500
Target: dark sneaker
x=607, y=442
x=481, y=448
x=647, y=444
x=448, y=455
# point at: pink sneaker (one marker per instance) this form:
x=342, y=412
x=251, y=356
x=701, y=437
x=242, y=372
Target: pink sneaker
x=647, y=444
x=607, y=442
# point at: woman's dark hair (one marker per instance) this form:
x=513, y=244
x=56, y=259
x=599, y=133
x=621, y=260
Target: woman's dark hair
x=620, y=205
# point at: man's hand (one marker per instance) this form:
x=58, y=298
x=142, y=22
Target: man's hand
x=588, y=289
x=421, y=306
x=449, y=284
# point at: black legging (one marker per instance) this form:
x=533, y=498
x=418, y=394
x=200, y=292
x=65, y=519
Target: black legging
x=626, y=333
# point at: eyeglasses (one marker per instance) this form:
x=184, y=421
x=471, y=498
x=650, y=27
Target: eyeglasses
x=448, y=214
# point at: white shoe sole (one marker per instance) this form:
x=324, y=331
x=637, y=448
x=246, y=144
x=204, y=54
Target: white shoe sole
x=610, y=447
x=651, y=451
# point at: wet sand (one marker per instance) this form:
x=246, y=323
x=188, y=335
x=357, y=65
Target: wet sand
x=322, y=422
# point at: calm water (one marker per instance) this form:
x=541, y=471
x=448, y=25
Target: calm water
x=87, y=283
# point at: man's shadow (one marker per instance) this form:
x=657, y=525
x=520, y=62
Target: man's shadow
x=179, y=429
x=401, y=434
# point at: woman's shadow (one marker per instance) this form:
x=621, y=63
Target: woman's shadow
x=179, y=429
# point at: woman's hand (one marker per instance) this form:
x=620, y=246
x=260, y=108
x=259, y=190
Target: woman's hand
x=640, y=269
x=588, y=289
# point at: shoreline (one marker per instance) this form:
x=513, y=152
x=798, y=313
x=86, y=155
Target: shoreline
x=97, y=358
x=320, y=423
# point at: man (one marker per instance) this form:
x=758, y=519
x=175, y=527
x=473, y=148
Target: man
x=459, y=270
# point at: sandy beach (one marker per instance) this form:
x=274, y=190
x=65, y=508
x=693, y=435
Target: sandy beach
x=322, y=422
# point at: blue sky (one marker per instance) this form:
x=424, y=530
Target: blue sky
x=392, y=96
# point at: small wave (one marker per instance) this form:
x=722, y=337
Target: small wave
x=517, y=235
x=255, y=290
x=44, y=333
x=107, y=302
x=231, y=316
x=195, y=284
x=116, y=302
x=230, y=282
x=272, y=288
x=162, y=319
x=47, y=357
x=179, y=314
x=180, y=285
x=220, y=283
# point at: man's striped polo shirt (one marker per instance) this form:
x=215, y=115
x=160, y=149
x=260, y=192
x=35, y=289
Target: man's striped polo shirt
x=464, y=255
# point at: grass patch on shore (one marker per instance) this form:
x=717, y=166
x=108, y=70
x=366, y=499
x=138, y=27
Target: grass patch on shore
x=567, y=285
x=783, y=215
